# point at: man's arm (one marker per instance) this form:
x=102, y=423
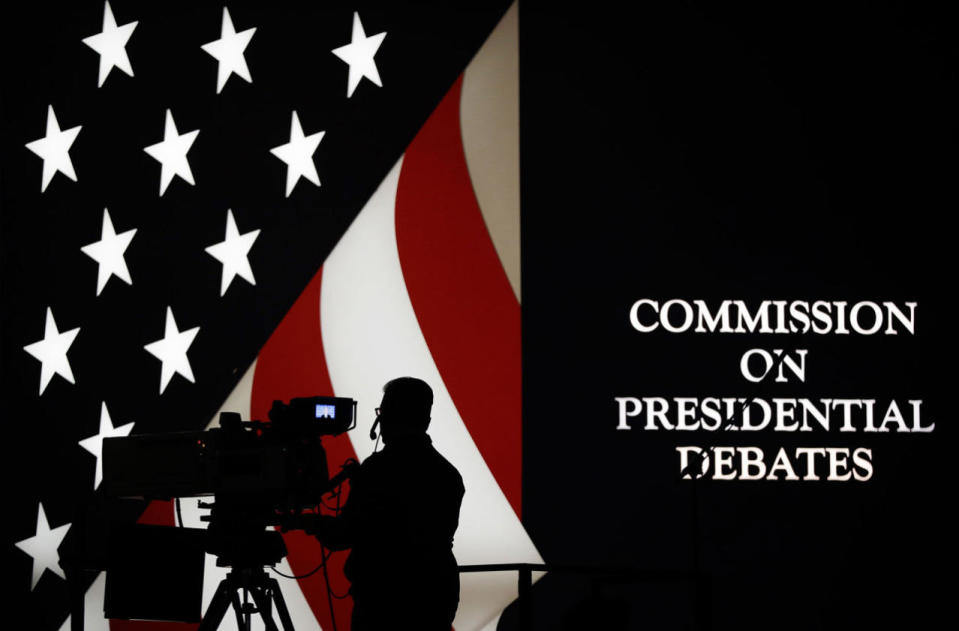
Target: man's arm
x=339, y=532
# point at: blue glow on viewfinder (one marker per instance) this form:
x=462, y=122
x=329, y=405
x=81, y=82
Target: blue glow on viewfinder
x=325, y=411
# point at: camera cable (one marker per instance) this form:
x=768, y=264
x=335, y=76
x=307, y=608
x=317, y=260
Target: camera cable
x=307, y=575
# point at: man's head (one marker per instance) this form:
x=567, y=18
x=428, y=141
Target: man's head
x=405, y=409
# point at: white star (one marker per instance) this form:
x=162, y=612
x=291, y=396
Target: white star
x=94, y=444
x=52, y=352
x=108, y=253
x=298, y=155
x=171, y=153
x=171, y=350
x=228, y=51
x=43, y=547
x=54, y=148
x=359, y=55
x=110, y=44
x=232, y=252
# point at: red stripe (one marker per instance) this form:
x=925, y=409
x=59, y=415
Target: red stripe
x=460, y=293
x=292, y=364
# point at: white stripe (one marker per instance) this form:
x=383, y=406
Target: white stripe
x=489, y=126
x=370, y=335
x=491, y=625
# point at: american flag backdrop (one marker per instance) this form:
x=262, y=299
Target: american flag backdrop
x=209, y=207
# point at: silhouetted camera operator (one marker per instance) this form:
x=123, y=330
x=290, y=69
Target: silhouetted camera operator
x=399, y=521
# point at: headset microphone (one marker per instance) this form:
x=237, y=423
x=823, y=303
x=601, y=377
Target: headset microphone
x=373, y=429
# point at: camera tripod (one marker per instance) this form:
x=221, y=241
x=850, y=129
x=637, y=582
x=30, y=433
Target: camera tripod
x=254, y=583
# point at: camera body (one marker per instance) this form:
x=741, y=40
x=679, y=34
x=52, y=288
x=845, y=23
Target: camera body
x=282, y=462
x=260, y=474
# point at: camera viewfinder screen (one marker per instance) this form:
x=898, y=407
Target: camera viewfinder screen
x=325, y=411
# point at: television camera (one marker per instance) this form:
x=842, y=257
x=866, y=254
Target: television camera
x=259, y=474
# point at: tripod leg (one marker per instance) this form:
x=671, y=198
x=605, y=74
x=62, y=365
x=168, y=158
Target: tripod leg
x=281, y=609
x=214, y=613
x=265, y=589
x=237, y=611
x=263, y=605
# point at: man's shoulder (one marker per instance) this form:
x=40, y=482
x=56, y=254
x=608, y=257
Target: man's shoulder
x=422, y=461
x=448, y=471
x=373, y=462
